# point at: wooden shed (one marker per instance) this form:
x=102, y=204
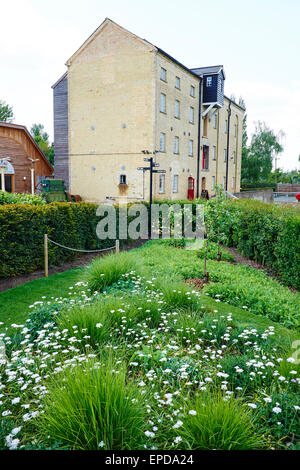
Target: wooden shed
x=23, y=161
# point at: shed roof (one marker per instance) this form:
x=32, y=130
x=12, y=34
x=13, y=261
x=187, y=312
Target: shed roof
x=34, y=144
x=213, y=69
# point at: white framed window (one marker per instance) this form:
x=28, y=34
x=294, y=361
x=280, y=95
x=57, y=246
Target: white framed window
x=192, y=91
x=177, y=83
x=123, y=179
x=233, y=183
x=163, y=106
x=208, y=81
x=226, y=126
x=176, y=144
x=214, y=152
x=191, y=148
x=213, y=179
x=175, y=184
x=163, y=74
x=177, y=109
x=224, y=182
x=225, y=155
x=215, y=121
x=162, y=142
x=192, y=115
x=161, y=184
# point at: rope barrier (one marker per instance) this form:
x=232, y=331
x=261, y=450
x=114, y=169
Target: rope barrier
x=80, y=251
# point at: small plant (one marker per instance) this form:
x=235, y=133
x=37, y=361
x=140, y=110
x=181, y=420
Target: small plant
x=94, y=407
x=104, y=272
x=219, y=423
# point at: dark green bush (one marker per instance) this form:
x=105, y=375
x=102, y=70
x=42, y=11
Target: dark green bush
x=22, y=229
x=268, y=233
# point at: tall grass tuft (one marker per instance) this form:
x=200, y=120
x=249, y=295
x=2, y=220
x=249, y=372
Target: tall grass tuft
x=105, y=271
x=219, y=424
x=178, y=295
x=92, y=407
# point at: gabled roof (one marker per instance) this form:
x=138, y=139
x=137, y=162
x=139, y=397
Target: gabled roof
x=213, y=69
x=97, y=31
x=24, y=129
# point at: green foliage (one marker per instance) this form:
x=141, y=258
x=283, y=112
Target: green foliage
x=212, y=252
x=14, y=198
x=259, y=185
x=23, y=228
x=104, y=272
x=42, y=139
x=6, y=112
x=94, y=407
x=257, y=160
x=219, y=424
x=268, y=233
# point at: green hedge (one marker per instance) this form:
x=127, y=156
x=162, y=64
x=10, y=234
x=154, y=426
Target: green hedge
x=260, y=185
x=22, y=229
x=267, y=233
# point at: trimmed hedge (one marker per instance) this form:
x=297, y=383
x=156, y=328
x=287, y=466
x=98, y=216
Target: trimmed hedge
x=22, y=229
x=267, y=233
x=260, y=185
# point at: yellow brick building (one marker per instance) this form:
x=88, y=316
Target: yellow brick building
x=122, y=95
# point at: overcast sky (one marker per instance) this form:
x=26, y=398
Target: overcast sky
x=257, y=41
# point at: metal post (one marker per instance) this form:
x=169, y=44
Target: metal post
x=46, y=253
x=32, y=180
x=117, y=246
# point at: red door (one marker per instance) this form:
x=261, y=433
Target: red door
x=191, y=188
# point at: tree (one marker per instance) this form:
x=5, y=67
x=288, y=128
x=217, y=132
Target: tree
x=42, y=139
x=6, y=112
x=258, y=159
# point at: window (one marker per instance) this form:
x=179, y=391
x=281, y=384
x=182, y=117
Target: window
x=123, y=179
x=215, y=121
x=191, y=148
x=213, y=182
x=234, y=156
x=175, y=184
x=235, y=130
x=208, y=81
x=214, y=152
x=233, y=182
x=192, y=91
x=161, y=183
x=225, y=155
x=162, y=142
x=226, y=126
x=176, y=144
x=192, y=115
x=205, y=157
x=205, y=126
x=177, y=83
x=163, y=108
x=163, y=74
x=224, y=182
x=177, y=109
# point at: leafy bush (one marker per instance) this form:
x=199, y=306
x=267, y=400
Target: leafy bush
x=212, y=252
x=268, y=233
x=14, y=198
x=22, y=229
x=104, y=272
x=94, y=407
x=219, y=424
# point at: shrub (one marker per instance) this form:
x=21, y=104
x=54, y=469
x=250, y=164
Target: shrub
x=268, y=233
x=104, y=272
x=219, y=424
x=14, y=198
x=22, y=229
x=94, y=407
x=212, y=252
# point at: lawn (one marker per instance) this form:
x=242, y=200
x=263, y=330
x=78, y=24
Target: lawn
x=14, y=303
x=186, y=369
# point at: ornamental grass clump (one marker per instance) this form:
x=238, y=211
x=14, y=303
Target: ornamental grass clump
x=178, y=295
x=104, y=272
x=94, y=407
x=216, y=422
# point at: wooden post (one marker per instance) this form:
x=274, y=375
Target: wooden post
x=46, y=253
x=117, y=246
